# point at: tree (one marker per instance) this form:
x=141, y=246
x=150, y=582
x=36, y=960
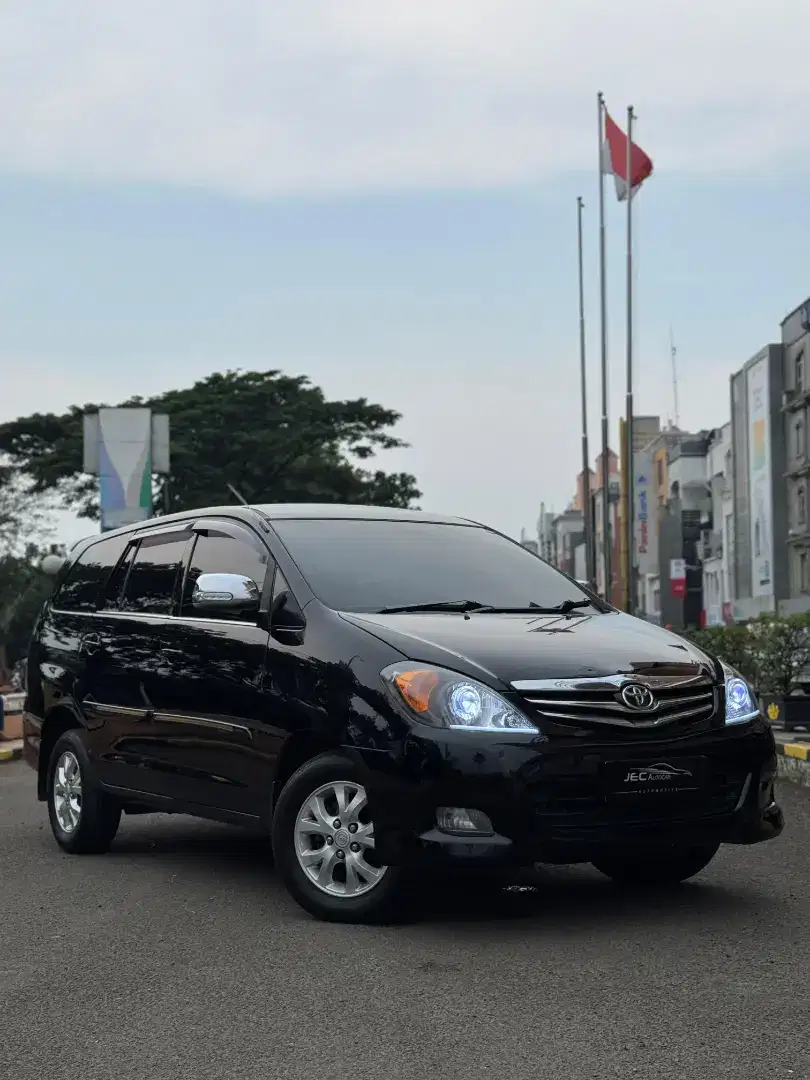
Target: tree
x=23, y=590
x=24, y=517
x=770, y=651
x=274, y=437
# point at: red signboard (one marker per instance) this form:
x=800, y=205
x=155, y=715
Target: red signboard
x=679, y=588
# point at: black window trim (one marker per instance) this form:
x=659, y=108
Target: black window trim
x=236, y=530
x=178, y=527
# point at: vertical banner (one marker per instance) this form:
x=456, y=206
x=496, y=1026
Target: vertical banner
x=124, y=466
x=759, y=479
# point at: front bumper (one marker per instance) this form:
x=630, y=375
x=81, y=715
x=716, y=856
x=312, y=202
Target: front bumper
x=546, y=802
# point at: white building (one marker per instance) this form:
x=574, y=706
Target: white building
x=718, y=533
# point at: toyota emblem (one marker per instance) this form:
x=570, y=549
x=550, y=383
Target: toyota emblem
x=638, y=697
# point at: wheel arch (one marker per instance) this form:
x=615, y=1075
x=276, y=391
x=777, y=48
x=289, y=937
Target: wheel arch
x=298, y=750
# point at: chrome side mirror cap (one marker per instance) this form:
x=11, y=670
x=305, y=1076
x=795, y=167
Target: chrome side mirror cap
x=225, y=592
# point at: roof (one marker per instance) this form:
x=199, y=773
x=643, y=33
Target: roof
x=279, y=512
x=351, y=511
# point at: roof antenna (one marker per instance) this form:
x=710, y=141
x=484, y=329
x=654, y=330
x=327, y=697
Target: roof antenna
x=673, y=353
x=233, y=491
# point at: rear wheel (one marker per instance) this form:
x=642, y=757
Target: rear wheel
x=324, y=846
x=84, y=819
x=666, y=867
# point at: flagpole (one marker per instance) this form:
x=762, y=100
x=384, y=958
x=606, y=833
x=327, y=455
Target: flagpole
x=606, y=560
x=590, y=562
x=630, y=484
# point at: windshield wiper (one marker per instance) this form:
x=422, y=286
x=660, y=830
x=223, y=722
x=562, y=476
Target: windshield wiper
x=538, y=609
x=437, y=605
x=464, y=606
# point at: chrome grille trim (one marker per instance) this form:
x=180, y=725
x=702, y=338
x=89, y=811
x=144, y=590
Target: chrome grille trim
x=612, y=682
x=679, y=699
x=615, y=706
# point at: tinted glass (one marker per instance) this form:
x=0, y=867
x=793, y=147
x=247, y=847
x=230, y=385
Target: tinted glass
x=216, y=553
x=151, y=583
x=84, y=586
x=368, y=565
x=115, y=585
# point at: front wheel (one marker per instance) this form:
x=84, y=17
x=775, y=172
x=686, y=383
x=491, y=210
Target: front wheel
x=324, y=846
x=667, y=867
x=84, y=819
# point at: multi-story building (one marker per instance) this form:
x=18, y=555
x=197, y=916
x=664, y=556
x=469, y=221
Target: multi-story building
x=613, y=488
x=796, y=416
x=717, y=527
x=760, y=516
x=651, y=493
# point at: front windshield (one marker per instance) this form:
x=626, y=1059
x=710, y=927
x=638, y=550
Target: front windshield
x=362, y=566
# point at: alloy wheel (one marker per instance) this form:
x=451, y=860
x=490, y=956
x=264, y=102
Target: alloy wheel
x=334, y=840
x=67, y=792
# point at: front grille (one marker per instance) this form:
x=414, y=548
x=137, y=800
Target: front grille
x=598, y=704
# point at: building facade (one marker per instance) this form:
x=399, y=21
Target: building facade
x=717, y=527
x=760, y=517
x=796, y=414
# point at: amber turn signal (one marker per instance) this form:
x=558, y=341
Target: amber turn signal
x=416, y=687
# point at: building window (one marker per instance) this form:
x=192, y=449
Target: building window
x=801, y=507
x=803, y=572
x=659, y=466
x=799, y=372
x=799, y=434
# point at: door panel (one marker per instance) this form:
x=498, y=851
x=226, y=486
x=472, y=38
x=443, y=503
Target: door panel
x=214, y=723
x=125, y=666
x=213, y=728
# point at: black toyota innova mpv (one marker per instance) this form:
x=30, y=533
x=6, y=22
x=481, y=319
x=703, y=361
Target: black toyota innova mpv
x=388, y=693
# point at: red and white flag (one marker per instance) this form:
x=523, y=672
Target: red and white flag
x=614, y=160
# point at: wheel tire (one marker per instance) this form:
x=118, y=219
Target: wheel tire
x=658, y=869
x=98, y=815
x=383, y=902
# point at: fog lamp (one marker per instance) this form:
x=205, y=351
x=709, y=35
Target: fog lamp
x=457, y=819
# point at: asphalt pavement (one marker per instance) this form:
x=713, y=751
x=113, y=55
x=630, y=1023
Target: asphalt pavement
x=179, y=955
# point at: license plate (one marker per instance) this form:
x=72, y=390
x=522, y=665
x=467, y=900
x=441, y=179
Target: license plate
x=654, y=779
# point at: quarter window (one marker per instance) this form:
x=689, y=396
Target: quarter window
x=150, y=587
x=219, y=553
x=84, y=586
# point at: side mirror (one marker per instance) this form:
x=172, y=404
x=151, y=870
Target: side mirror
x=52, y=564
x=225, y=592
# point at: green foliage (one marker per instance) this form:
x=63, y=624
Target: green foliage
x=23, y=590
x=771, y=652
x=273, y=437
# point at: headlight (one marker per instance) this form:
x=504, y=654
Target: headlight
x=740, y=703
x=446, y=699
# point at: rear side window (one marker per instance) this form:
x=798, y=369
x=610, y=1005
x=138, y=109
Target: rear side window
x=152, y=580
x=217, y=553
x=84, y=586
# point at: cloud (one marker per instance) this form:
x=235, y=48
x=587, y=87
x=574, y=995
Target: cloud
x=331, y=96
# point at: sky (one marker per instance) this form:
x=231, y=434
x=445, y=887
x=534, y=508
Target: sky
x=383, y=197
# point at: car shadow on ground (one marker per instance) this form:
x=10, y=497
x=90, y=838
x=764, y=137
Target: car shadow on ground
x=575, y=896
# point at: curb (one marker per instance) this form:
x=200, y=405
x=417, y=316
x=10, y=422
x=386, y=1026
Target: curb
x=793, y=762
x=10, y=753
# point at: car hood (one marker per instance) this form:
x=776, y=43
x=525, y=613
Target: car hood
x=509, y=648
